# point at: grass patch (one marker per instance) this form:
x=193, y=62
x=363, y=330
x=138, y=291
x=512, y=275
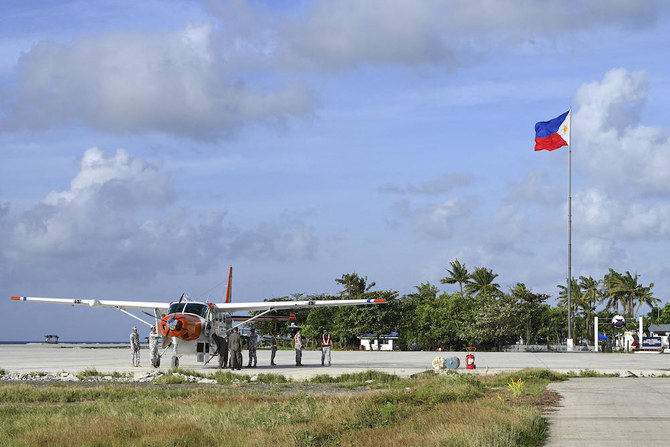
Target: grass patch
x=273, y=378
x=425, y=410
x=90, y=373
x=228, y=378
x=590, y=373
x=369, y=377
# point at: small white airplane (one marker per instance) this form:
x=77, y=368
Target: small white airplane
x=190, y=324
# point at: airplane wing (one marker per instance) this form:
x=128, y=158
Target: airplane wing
x=278, y=305
x=137, y=305
x=225, y=307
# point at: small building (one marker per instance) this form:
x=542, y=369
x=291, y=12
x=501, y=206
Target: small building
x=662, y=330
x=52, y=339
x=382, y=343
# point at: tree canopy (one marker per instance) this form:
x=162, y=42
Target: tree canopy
x=480, y=313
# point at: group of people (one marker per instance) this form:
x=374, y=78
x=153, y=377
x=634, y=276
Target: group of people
x=153, y=348
x=230, y=349
x=233, y=345
x=326, y=345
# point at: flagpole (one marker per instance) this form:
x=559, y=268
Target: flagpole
x=570, y=341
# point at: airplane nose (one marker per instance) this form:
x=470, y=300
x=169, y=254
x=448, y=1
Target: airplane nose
x=172, y=323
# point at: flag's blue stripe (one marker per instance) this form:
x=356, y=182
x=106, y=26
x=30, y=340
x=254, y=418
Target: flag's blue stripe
x=546, y=128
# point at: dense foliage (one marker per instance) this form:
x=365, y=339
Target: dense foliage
x=479, y=313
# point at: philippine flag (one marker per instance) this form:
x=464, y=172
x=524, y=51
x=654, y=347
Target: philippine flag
x=552, y=134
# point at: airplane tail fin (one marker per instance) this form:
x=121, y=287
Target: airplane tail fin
x=229, y=287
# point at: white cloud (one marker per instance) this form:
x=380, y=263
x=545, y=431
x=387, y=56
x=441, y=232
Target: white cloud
x=439, y=185
x=176, y=83
x=599, y=215
x=120, y=219
x=279, y=241
x=348, y=33
x=246, y=66
x=123, y=180
x=439, y=221
x=536, y=187
x=617, y=151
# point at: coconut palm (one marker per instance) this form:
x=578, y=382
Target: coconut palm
x=629, y=292
x=575, y=296
x=646, y=297
x=458, y=274
x=590, y=297
x=606, y=287
x=354, y=285
x=481, y=283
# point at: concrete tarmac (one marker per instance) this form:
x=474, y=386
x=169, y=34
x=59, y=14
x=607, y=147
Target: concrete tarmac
x=629, y=410
x=599, y=412
x=41, y=357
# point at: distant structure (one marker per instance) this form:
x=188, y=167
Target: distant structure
x=370, y=343
x=53, y=339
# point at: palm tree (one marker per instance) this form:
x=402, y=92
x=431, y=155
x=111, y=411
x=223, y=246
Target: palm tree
x=630, y=291
x=575, y=296
x=590, y=297
x=481, y=283
x=606, y=287
x=646, y=297
x=426, y=290
x=458, y=274
x=354, y=285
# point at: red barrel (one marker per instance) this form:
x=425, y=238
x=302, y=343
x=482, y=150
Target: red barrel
x=470, y=358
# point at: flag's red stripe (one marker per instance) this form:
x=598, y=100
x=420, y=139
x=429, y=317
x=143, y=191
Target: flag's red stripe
x=550, y=143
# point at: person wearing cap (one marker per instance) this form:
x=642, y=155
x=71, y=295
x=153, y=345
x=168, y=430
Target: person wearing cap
x=235, y=344
x=153, y=348
x=135, y=347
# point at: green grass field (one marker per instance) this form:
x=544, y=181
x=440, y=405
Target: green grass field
x=367, y=409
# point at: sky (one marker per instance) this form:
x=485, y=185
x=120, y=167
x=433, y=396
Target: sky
x=148, y=146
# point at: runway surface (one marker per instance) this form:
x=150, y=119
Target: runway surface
x=630, y=410
x=40, y=357
x=603, y=412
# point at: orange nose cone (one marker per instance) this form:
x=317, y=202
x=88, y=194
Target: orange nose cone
x=187, y=326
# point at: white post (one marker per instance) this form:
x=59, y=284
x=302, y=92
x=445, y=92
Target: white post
x=595, y=334
x=640, y=333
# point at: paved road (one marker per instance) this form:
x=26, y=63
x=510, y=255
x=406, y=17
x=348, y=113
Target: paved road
x=75, y=358
x=611, y=411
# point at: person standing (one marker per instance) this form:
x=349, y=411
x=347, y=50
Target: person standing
x=326, y=344
x=222, y=348
x=153, y=348
x=235, y=344
x=252, y=348
x=273, y=348
x=298, y=347
x=135, y=347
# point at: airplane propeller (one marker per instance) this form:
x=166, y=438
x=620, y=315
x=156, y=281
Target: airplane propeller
x=172, y=323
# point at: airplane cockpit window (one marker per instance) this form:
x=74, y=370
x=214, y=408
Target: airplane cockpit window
x=176, y=307
x=197, y=308
x=189, y=308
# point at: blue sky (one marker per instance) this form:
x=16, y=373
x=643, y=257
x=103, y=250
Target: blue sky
x=148, y=146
